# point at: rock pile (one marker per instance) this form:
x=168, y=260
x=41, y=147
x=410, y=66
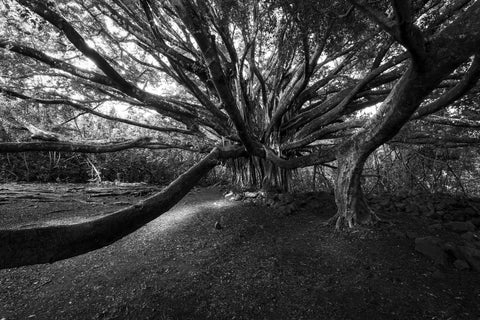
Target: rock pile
x=460, y=220
x=456, y=217
x=284, y=203
x=464, y=256
x=438, y=207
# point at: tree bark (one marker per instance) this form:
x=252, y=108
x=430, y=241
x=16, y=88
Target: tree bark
x=44, y=244
x=395, y=111
x=352, y=206
x=453, y=46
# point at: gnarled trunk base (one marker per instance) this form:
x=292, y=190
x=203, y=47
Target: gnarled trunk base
x=352, y=207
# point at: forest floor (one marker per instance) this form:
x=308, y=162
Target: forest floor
x=259, y=265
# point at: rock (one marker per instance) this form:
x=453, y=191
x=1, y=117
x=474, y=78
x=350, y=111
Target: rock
x=431, y=214
x=435, y=216
x=470, y=211
x=270, y=202
x=259, y=201
x=399, y=234
x=446, y=217
x=237, y=197
x=288, y=209
x=435, y=227
x=218, y=226
x=461, y=264
x=286, y=197
x=411, y=235
x=449, y=247
x=250, y=194
x=458, y=216
x=441, y=205
x=472, y=256
x=437, y=274
x=453, y=251
x=468, y=236
x=432, y=248
x=459, y=226
x=476, y=222
x=411, y=208
x=232, y=196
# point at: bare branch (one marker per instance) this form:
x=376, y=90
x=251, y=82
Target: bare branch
x=78, y=106
x=454, y=122
x=70, y=146
x=56, y=63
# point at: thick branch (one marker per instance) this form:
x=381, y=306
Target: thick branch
x=453, y=122
x=168, y=107
x=448, y=50
x=46, y=244
x=71, y=146
x=407, y=33
x=206, y=42
x=315, y=158
x=56, y=63
x=404, y=30
x=93, y=112
x=42, y=9
x=445, y=141
x=338, y=110
x=463, y=86
x=335, y=127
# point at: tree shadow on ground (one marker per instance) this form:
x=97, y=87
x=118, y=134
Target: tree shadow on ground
x=259, y=265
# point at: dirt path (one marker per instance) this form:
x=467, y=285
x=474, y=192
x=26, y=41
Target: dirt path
x=260, y=265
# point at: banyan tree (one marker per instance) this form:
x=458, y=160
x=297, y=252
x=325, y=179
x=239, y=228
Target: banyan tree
x=264, y=86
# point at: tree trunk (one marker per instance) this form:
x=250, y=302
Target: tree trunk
x=394, y=112
x=44, y=244
x=352, y=207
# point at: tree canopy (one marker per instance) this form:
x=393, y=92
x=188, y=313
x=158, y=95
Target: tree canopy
x=287, y=77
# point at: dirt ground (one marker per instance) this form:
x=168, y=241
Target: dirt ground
x=259, y=265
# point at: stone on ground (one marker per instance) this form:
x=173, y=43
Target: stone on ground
x=461, y=264
x=459, y=226
x=432, y=248
x=472, y=256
